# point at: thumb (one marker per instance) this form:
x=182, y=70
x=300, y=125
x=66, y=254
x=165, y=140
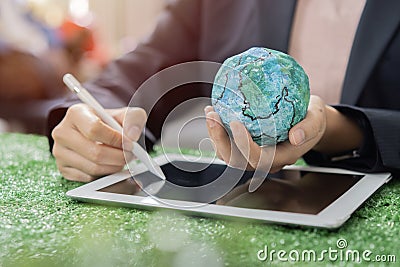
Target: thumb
x=312, y=126
x=133, y=121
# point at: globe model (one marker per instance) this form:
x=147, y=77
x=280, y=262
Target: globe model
x=266, y=90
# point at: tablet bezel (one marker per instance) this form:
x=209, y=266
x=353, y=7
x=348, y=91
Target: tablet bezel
x=332, y=216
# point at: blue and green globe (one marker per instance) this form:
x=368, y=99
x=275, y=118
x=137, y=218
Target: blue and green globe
x=266, y=90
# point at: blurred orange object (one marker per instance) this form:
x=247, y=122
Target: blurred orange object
x=77, y=39
x=81, y=46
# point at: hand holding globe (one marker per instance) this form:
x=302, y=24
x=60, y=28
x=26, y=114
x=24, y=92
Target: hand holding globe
x=261, y=99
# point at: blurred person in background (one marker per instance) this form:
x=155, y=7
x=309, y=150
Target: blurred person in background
x=25, y=73
x=33, y=58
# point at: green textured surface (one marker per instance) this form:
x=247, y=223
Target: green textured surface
x=40, y=226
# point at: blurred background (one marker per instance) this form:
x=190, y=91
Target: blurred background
x=40, y=40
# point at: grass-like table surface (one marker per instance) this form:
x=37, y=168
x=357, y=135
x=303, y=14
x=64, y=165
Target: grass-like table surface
x=40, y=226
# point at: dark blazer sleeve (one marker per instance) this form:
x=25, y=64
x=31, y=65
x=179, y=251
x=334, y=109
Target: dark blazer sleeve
x=380, y=150
x=174, y=40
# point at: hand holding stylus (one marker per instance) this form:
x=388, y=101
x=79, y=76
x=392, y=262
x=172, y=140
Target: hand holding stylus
x=87, y=147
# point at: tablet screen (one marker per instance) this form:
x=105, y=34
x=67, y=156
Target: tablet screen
x=288, y=190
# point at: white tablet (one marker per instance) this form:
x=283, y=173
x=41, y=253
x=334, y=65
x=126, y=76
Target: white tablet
x=308, y=196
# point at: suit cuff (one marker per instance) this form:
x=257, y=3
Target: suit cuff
x=366, y=159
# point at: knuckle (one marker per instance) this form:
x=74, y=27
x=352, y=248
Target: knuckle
x=60, y=167
x=320, y=127
x=95, y=170
x=85, y=178
x=56, y=151
x=318, y=115
x=98, y=170
x=57, y=132
x=88, y=179
x=65, y=175
x=312, y=114
x=81, y=177
x=94, y=129
x=74, y=109
x=115, y=139
x=322, y=124
x=315, y=129
x=317, y=119
x=96, y=153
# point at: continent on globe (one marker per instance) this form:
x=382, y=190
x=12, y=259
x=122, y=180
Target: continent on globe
x=266, y=90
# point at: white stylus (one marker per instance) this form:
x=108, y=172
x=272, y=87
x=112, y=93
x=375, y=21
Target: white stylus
x=75, y=86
